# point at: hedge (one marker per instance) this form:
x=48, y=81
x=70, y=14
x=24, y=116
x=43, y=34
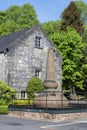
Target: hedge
x=21, y=102
x=3, y=109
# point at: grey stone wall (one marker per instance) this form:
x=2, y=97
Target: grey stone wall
x=49, y=117
x=3, y=67
x=23, y=58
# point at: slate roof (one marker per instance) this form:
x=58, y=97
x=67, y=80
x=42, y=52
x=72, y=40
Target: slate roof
x=7, y=39
x=10, y=38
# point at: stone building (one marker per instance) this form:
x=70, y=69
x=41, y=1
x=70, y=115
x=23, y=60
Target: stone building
x=23, y=55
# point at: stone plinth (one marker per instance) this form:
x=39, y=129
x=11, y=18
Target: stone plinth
x=51, y=100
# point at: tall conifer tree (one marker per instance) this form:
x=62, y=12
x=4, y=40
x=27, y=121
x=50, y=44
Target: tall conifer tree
x=71, y=17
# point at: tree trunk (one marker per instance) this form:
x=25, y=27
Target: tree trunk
x=73, y=95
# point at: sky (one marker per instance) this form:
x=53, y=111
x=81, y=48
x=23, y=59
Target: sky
x=46, y=10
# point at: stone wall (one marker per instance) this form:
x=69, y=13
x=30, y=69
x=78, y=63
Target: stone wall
x=48, y=116
x=3, y=67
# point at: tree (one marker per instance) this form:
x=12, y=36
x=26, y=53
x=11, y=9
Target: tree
x=6, y=92
x=3, y=17
x=84, y=60
x=16, y=18
x=35, y=85
x=82, y=6
x=84, y=35
x=71, y=17
x=51, y=27
x=70, y=46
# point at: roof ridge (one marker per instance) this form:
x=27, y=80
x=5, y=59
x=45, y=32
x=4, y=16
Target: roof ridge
x=5, y=40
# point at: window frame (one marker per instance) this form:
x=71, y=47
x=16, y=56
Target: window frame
x=38, y=42
x=23, y=94
x=38, y=73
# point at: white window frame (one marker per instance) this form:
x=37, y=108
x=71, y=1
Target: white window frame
x=23, y=94
x=38, y=73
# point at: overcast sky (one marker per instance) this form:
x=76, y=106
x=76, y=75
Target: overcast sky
x=46, y=10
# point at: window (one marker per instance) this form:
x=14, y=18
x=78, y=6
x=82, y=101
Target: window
x=38, y=42
x=38, y=73
x=7, y=50
x=22, y=94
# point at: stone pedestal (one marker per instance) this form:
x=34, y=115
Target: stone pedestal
x=50, y=98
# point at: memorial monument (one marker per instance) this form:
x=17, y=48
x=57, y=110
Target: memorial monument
x=50, y=98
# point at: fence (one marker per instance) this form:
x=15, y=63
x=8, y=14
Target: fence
x=25, y=100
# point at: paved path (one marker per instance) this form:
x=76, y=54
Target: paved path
x=11, y=123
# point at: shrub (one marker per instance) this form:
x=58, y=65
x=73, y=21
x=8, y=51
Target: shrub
x=35, y=85
x=3, y=102
x=3, y=109
x=21, y=102
x=6, y=92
